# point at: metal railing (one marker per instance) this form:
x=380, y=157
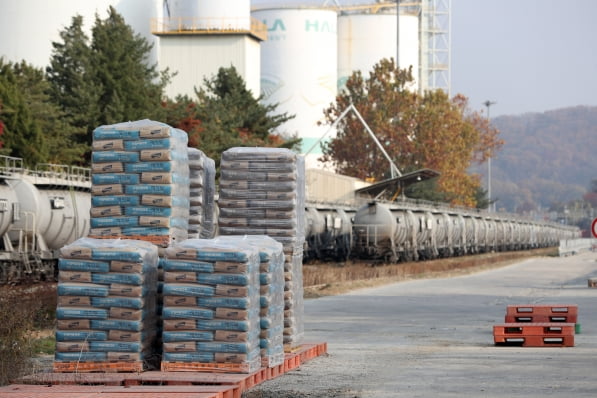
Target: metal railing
x=45, y=173
x=190, y=25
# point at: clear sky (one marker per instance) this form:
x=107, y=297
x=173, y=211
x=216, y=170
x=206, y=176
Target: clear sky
x=527, y=55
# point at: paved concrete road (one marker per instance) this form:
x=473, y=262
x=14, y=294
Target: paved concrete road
x=434, y=338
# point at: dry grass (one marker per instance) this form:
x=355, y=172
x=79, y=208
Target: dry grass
x=330, y=279
x=23, y=311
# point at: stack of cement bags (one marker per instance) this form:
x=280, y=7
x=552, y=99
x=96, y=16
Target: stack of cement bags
x=202, y=191
x=106, y=315
x=271, y=279
x=211, y=306
x=140, y=182
x=262, y=193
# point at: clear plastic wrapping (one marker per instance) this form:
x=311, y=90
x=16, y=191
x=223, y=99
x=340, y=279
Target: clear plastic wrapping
x=143, y=164
x=107, y=301
x=202, y=195
x=201, y=305
x=271, y=278
x=262, y=192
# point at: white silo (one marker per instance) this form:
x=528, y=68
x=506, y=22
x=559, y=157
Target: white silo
x=216, y=15
x=32, y=25
x=299, y=69
x=364, y=38
x=198, y=37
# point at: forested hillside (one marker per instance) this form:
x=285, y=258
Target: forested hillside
x=547, y=158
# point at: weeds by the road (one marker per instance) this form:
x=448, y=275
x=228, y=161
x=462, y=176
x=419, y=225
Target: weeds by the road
x=329, y=279
x=22, y=313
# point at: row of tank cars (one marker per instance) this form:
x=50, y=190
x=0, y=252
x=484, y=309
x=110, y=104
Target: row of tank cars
x=44, y=209
x=407, y=230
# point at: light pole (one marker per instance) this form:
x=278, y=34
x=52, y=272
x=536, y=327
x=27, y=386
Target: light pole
x=488, y=104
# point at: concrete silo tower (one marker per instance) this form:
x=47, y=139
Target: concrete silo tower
x=299, y=68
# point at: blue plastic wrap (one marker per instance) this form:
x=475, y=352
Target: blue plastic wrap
x=118, y=346
x=115, y=200
x=241, y=348
x=115, y=178
x=82, y=289
x=218, y=324
x=114, y=133
x=150, y=189
x=115, y=156
x=187, y=313
x=65, y=264
x=81, y=335
x=114, y=301
x=186, y=265
x=170, y=337
x=186, y=289
x=81, y=313
x=80, y=356
x=189, y=357
x=230, y=302
x=117, y=324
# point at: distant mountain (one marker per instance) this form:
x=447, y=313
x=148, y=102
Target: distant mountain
x=547, y=158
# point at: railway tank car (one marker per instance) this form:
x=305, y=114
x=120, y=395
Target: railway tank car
x=41, y=211
x=328, y=232
x=403, y=231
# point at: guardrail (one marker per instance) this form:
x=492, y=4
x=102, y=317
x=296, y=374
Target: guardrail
x=570, y=247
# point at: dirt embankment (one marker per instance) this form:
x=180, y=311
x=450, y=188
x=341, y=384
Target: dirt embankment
x=325, y=279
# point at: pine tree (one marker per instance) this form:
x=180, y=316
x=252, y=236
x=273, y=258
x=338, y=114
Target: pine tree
x=230, y=116
x=61, y=142
x=73, y=87
x=22, y=135
x=129, y=88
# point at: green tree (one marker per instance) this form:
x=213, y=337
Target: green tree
x=61, y=142
x=130, y=89
x=230, y=116
x=22, y=135
x=70, y=75
x=417, y=131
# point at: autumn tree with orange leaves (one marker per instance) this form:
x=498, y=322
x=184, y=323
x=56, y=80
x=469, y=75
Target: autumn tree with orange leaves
x=418, y=131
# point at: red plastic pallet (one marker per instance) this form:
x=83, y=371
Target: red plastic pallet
x=103, y=366
x=567, y=313
x=539, y=318
x=84, y=391
x=533, y=329
x=166, y=384
x=535, y=341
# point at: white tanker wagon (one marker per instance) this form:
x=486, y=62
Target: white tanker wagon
x=407, y=231
x=44, y=209
x=41, y=211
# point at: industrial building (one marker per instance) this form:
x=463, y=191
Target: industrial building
x=295, y=53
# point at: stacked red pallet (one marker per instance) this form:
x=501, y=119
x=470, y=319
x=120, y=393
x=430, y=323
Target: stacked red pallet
x=537, y=325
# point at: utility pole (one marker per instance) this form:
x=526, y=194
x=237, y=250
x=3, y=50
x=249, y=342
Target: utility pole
x=397, y=34
x=491, y=207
